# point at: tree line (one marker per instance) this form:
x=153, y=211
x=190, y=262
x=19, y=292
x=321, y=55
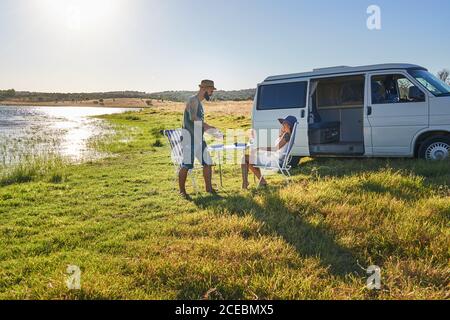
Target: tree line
x=181, y=96
x=7, y=94
x=52, y=97
x=444, y=75
x=176, y=96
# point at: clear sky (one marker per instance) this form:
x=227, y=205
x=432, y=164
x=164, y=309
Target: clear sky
x=155, y=45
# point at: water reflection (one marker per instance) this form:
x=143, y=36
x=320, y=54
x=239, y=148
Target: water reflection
x=39, y=131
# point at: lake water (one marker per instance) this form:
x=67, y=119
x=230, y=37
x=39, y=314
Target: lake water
x=39, y=131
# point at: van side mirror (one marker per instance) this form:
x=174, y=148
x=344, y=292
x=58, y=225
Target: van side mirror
x=416, y=95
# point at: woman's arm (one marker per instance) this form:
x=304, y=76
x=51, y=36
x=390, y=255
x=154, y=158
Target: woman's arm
x=283, y=141
x=281, y=144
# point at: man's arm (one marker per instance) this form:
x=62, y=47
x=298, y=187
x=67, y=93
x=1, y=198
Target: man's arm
x=208, y=127
x=192, y=108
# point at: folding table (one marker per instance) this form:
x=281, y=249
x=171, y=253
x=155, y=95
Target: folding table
x=219, y=149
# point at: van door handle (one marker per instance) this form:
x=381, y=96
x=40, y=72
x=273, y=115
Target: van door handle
x=303, y=114
x=369, y=111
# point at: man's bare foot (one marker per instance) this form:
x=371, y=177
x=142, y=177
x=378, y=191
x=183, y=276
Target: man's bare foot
x=263, y=184
x=213, y=193
x=185, y=196
x=245, y=186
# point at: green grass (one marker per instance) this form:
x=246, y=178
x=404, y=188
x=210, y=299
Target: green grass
x=52, y=168
x=121, y=221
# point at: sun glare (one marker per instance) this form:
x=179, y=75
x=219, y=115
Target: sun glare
x=79, y=15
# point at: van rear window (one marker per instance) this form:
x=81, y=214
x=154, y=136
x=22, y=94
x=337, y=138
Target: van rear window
x=282, y=96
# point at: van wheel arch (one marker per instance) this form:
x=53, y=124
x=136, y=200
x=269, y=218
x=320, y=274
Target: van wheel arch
x=424, y=137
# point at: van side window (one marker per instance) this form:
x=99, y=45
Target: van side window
x=394, y=88
x=282, y=96
x=340, y=92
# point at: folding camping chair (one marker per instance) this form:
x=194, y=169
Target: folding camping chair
x=175, y=138
x=284, y=168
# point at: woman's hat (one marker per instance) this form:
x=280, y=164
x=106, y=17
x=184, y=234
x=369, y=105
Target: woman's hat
x=291, y=120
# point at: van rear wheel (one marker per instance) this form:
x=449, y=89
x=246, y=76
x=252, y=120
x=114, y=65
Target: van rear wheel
x=294, y=162
x=436, y=148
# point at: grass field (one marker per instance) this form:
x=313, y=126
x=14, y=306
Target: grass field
x=121, y=222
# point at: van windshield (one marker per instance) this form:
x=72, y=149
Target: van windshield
x=431, y=82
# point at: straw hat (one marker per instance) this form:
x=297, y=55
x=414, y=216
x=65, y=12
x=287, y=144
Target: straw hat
x=207, y=84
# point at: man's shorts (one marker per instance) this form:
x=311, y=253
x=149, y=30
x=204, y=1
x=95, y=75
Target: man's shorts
x=199, y=151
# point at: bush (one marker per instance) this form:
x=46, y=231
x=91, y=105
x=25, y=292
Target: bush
x=56, y=177
x=53, y=167
x=132, y=118
x=20, y=174
x=157, y=143
x=6, y=94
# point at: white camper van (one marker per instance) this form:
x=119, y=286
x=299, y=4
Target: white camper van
x=389, y=110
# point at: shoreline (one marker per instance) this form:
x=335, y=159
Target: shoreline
x=241, y=108
x=70, y=106
x=73, y=144
x=107, y=103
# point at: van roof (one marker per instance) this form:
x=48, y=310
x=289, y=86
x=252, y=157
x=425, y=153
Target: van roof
x=344, y=70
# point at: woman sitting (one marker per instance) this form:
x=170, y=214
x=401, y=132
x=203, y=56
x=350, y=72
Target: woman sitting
x=268, y=157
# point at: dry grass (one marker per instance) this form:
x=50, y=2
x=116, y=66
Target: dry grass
x=235, y=108
x=241, y=108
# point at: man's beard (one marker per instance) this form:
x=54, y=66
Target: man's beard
x=207, y=96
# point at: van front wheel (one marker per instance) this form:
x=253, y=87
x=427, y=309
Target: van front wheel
x=436, y=148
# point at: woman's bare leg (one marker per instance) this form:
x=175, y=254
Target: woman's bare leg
x=257, y=173
x=245, y=167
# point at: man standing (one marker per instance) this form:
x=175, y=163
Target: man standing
x=193, y=142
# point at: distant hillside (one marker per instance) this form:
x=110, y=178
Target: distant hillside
x=52, y=97
x=177, y=96
x=180, y=96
